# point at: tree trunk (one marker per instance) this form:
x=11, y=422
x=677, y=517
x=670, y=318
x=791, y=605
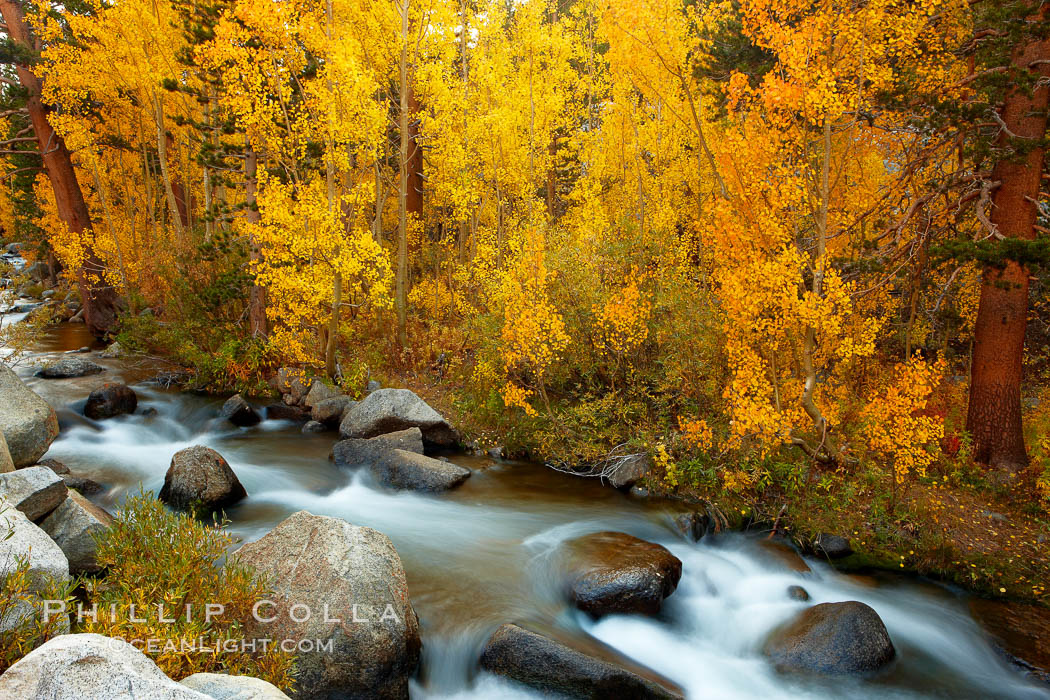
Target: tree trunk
x=994, y=415
x=401, y=283
x=98, y=297
x=257, y=296
x=414, y=201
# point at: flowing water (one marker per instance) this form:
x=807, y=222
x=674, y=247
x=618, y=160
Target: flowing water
x=482, y=555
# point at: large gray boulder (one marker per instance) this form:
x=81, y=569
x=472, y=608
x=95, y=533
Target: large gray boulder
x=90, y=667
x=558, y=670
x=399, y=469
x=834, y=639
x=330, y=566
x=388, y=410
x=110, y=400
x=6, y=463
x=28, y=423
x=239, y=412
x=220, y=686
x=20, y=538
x=73, y=526
x=36, y=491
x=69, y=366
x=613, y=572
x=199, y=479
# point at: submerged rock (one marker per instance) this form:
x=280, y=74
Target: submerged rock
x=36, y=491
x=69, y=366
x=613, y=572
x=28, y=422
x=200, y=479
x=798, y=593
x=73, y=526
x=110, y=400
x=832, y=638
x=389, y=410
x=90, y=667
x=280, y=411
x=782, y=554
x=554, y=668
x=330, y=566
x=1021, y=630
x=239, y=412
x=312, y=426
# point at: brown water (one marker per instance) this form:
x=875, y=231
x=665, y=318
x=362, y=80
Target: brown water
x=482, y=555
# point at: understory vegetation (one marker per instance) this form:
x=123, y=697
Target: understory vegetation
x=788, y=250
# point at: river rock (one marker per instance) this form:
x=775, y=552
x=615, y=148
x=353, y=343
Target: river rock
x=220, y=686
x=90, y=667
x=239, y=412
x=6, y=463
x=319, y=391
x=200, y=479
x=111, y=400
x=373, y=385
x=798, y=593
x=38, y=272
x=319, y=561
x=1020, y=630
x=626, y=471
x=28, y=423
x=36, y=491
x=556, y=669
x=69, y=366
x=832, y=638
x=280, y=411
x=832, y=546
x=330, y=411
x=47, y=564
x=693, y=525
x=82, y=484
x=613, y=572
x=54, y=465
x=112, y=352
x=389, y=410
x=73, y=526
x=312, y=426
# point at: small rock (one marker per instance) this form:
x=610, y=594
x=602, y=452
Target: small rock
x=111, y=400
x=220, y=686
x=626, y=471
x=410, y=440
x=200, y=479
x=832, y=546
x=330, y=411
x=113, y=351
x=372, y=385
x=797, y=593
x=495, y=452
x=319, y=391
x=36, y=491
x=90, y=667
x=313, y=426
x=73, y=526
x=557, y=670
x=613, y=572
x=280, y=411
x=239, y=412
x=14, y=248
x=832, y=638
x=47, y=294
x=148, y=412
x=692, y=526
x=399, y=469
x=78, y=317
x=88, y=487
x=69, y=366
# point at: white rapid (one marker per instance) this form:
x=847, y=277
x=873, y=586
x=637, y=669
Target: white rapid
x=482, y=555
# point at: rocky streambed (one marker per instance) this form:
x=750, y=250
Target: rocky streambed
x=484, y=578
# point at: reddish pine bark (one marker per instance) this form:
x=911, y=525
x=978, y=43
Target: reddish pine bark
x=98, y=298
x=994, y=414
